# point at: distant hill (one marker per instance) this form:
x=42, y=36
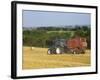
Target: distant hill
x=54, y=27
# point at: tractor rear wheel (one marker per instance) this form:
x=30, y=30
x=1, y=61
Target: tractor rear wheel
x=58, y=51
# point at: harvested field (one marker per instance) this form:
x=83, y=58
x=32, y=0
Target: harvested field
x=38, y=58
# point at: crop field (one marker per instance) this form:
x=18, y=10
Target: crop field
x=38, y=58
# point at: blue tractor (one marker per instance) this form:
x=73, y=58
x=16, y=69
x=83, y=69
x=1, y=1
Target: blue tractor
x=58, y=46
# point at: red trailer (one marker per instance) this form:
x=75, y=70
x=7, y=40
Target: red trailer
x=77, y=45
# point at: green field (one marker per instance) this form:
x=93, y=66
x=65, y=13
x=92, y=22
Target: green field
x=38, y=58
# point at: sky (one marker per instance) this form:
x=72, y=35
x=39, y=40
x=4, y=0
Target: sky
x=44, y=18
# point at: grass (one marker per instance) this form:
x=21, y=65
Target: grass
x=38, y=58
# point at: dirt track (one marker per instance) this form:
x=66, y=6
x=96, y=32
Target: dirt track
x=38, y=58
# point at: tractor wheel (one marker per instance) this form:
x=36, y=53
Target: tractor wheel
x=49, y=51
x=58, y=51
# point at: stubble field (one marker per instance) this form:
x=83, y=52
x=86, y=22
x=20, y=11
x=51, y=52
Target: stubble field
x=38, y=58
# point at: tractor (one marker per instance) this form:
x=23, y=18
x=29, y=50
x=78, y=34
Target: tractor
x=58, y=46
x=74, y=45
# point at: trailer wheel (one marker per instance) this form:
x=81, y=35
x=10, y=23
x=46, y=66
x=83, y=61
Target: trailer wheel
x=58, y=51
x=83, y=51
x=76, y=51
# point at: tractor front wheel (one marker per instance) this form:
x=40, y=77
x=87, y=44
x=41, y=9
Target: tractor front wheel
x=49, y=51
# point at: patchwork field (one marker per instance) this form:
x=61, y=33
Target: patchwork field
x=38, y=58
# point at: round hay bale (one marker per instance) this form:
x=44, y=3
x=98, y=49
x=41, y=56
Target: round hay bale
x=32, y=48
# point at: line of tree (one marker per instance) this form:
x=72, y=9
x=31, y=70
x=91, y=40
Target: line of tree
x=42, y=36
